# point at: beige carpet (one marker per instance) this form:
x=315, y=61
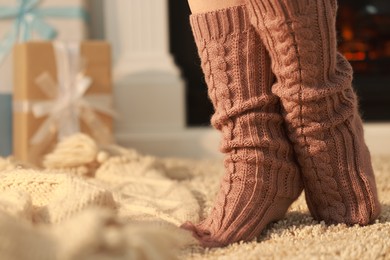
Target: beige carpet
x=298, y=236
x=110, y=203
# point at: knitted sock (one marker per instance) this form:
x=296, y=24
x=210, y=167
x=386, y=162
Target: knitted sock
x=314, y=85
x=262, y=178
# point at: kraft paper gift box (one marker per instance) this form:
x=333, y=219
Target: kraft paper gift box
x=59, y=90
x=22, y=20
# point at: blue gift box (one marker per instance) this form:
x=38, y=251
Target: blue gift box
x=5, y=124
x=27, y=17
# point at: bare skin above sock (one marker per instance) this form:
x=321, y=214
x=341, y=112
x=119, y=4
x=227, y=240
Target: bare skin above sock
x=262, y=178
x=320, y=107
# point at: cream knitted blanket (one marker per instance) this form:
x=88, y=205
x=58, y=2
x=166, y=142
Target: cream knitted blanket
x=113, y=203
x=92, y=203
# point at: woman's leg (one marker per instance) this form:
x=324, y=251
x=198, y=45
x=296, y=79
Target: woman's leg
x=262, y=178
x=203, y=6
x=321, y=112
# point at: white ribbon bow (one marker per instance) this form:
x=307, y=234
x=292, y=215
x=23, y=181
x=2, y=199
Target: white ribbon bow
x=68, y=102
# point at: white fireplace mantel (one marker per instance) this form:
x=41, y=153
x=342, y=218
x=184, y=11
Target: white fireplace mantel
x=139, y=32
x=148, y=89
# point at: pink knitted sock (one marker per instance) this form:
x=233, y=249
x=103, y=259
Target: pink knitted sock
x=314, y=84
x=262, y=178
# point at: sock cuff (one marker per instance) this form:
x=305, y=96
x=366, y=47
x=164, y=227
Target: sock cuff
x=285, y=9
x=280, y=9
x=220, y=23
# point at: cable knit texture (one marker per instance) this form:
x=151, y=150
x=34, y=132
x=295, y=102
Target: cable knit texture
x=320, y=107
x=262, y=178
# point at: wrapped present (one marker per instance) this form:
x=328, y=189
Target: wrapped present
x=60, y=89
x=22, y=20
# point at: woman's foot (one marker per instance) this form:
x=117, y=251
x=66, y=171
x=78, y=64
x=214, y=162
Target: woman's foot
x=262, y=178
x=321, y=111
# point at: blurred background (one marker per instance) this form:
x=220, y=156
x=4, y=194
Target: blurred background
x=364, y=38
x=364, y=34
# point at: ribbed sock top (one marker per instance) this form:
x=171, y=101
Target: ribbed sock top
x=217, y=24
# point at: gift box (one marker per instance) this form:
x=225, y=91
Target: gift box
x=22, y=20
x=60, y=89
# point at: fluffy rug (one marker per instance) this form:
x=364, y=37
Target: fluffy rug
x=298, y=236
x=93, y=202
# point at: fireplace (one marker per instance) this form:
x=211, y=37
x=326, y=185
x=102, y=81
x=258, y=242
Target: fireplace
x=364, y=38
x=364, y=34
